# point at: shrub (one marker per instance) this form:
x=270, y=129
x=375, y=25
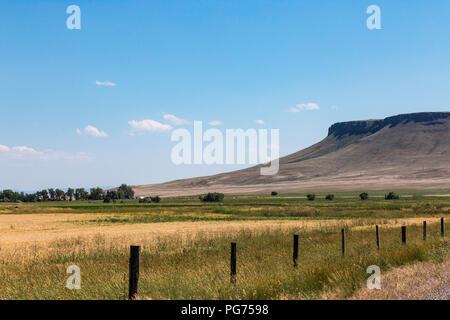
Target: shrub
x=329, y=197
x=364, y=196
x=156, y=199
x=274, y=193
x=107, y=199
x=311, y=197
x=145, y=200
x=391, y=196
x=212, y=197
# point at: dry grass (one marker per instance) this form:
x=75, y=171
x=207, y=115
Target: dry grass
x=190, y=259
x=178, y=268
x=415, y=281
x=33, y=234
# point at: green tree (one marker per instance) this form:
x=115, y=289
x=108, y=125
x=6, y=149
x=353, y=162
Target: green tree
x=59, y=194
x=96, y=194
x=125, y=192
x=364, y=196
x=155, y=199
x=70, y=193
x=112, y=194
x=391, y=196
x=212, y=197
x=44, y=195
x=145, y=200
x=81, y=194
x=31, y=197
x=9, y=195
x=52, y=193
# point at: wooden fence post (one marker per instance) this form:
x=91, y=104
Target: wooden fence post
x=133, y=288
x=233, y=262
x=442, y=226
x=424, y=231
x=343, y=242
x=295, y=253
x=404, y=234
x=378, y=237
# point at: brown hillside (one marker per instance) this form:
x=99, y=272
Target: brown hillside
x=409, y=151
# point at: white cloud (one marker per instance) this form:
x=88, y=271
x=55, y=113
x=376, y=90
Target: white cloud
x=24, y=150
x=215, y=123
x=334, y=107
x=91, y=131
x=149, y=125
x=28, y=153
x=65, y=156
x=176, y=121
x=4, y=148
x=259, y=121
x=305, y=106
x=308, y=106
x=105, y=83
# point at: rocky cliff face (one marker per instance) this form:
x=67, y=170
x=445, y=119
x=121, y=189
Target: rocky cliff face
x=371, y=126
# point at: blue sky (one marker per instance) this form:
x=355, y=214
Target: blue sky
x=230, y=61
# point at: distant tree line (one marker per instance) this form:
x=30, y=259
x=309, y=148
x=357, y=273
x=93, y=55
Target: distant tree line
x=362, y=196
x=123, y=192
